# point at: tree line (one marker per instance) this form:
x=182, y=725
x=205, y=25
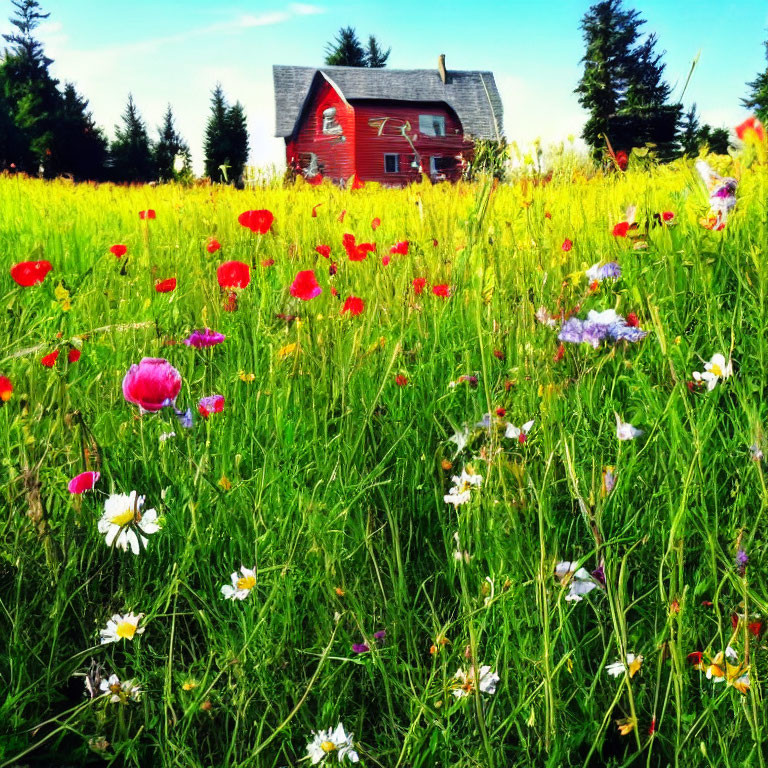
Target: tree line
x=629, y=101
x=47, y=128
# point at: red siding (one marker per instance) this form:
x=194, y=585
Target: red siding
x=334, y=156
x=370, y=147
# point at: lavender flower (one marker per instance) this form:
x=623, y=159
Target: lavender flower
x=741, y=562
x=572, y=331
x=598, y=271
x=184, y=417
x=206, y=338
x=380, y=635
x=598, y=327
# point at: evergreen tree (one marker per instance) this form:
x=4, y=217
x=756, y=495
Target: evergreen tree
x=169, y=145
x=717, y=140
x=758, y=97
x=346, y=50
x=29, y=89
x=623, y=84
x=690, y=129
x=79, y=146
x=237, y=134
x=12, y=145
x=131, y=153
x=375, y=56
x=217, y=149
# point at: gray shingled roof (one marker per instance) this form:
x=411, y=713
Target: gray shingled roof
x=472, y=95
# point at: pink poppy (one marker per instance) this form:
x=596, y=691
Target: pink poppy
x=305, y=286
x=257, y=221
x=152, y=384
x=83, y=482
x=206, y=338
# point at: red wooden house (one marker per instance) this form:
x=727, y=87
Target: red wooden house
x=384, y=125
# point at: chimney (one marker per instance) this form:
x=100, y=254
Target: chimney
x=441, y=67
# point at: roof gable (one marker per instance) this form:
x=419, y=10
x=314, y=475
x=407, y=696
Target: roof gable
x=472, y=95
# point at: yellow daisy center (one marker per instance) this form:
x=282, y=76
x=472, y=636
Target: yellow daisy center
x=126, y=629
x=328, y=746
x=246, y=582
x=115, y=688
x=716, y=369
x=123, y=518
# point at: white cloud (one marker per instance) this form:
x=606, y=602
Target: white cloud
x=305, y=9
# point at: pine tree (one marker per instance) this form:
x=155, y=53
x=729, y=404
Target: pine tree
x=623, y=84
x=79, y=146
x=168, y=146
x=717, y=140
x=690, y=139
x=131, y=153
x=758, y=97
x=375, y=56
x=29, y=89
x=346, y=50
x=237, y=134
x=216, y=147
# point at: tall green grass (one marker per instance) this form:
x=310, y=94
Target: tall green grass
x=337, y=479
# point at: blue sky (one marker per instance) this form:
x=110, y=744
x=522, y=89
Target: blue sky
x=170, y=51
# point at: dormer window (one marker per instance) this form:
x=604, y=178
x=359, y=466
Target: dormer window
x=432, y=125
x=331, y=126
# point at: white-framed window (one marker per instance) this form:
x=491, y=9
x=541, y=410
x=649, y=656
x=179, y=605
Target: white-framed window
x=432, y=125
x=330, y=124
x=391, y=163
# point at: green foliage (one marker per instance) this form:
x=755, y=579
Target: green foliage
x=623, y=86
x=717, y=140
x=131, y=151
x=327, y=476
x=489, y=158
x=346, y=50
x=168, y=146
x=758, y=97
x=226, y=139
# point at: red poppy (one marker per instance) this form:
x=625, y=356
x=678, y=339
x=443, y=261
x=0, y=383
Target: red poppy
x=667, y=216
x=385, y=260
x=441, y=290
x=376, y=223
x=314, y=210
x=267, y=263
x=501, y=412
x=74, y=355
x=50, y=359
x=621, y=229
x=632, y=320
x=334, y=292
x=499, y=355
x=695, y=657
x=622, y=159
x=357, y=183
x=356, y=251
x=399, y=249
x=148, y=214
x=324, y=251
x=401, y=380
x=305, y=286
x=418, y=285
x=6, y=389
x=333, y=269
x=257, y=221
x=27, y=273
x=593, y=286
x=547, y=215
x=213, y=245
x=233, y=274
x=750, y=125
x=353, y=305
x=755, y=627
x=567, y=244
x=119, y=250
x=166, y=286
x=434, y=243
x=342, y=215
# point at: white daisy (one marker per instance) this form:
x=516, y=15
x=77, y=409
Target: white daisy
x=120, y=692
x=466, y=684
x=242, y=584
x=124, y=524
x=332, y=741
x=121, y=627
x=625, y=431
x=617, y=668
x=717, y=368
x=461, y=492
x=514, y=433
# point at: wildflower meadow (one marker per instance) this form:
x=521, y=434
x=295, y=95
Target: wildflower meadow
x=452, y=475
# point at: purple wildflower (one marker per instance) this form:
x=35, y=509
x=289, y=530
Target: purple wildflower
x=185, y=418
x=572, y=331
x=741, y=562
x=211, y=404
x=599, y=574
x=360, y=648
x=593, y=333
x=380, y=635
x=624, y=332
x=206, y=338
